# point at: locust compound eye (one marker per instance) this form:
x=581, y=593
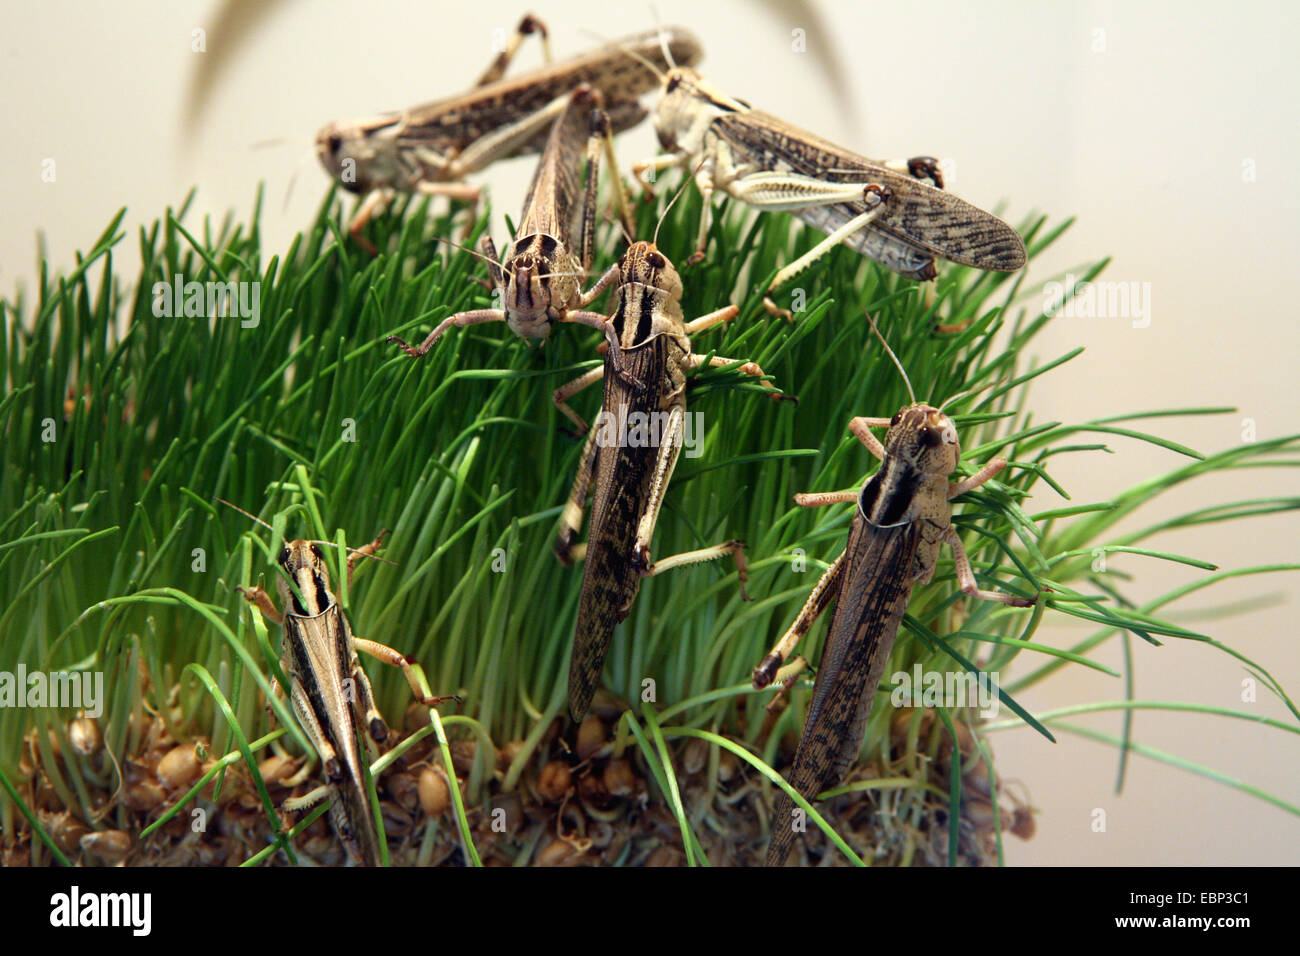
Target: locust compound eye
x=284, y=556
x=673, y=83
x=931, y=437
x=316, y=551
x=656, y=260
x=898, y=417
x=334, y=142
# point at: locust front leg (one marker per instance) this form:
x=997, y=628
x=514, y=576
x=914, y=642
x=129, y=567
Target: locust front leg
x=566, y=391
x=749, y=368
x=666, y=461
x=262, y=600
x=460, y=320
x=653, y=166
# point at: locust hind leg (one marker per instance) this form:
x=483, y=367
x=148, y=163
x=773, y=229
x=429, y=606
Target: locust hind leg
x=363, y=703
x=919, y=167
x=571, y=520
x=600, y=142
x=820, y=598
x=875, y=196
x=670, y=448
x=307, y=717
x=529, y=25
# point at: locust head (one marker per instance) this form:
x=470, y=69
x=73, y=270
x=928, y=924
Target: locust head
x=648, y=298
x=686, y=107
x=924, y=437
x=360, y=154
x=532, y=285
x=303, y=563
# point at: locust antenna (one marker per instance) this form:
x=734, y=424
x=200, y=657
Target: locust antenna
x=623, y=48
x=664, y=214
x=663, y=39
x=901, y=371
x=965, y=394
x=250, y=516
x=473, y=252
x=360, y=551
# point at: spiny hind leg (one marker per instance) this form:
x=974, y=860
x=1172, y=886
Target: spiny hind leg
x=873, y=194
x=735, y=548
x=307, y=717
x=571, y=520
x=363, y=703
x=501, y=62
x=818, y=600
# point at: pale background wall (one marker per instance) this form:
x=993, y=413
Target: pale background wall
x=1143, y=130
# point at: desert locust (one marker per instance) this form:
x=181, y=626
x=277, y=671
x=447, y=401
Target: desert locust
x=540, y=280
x=431, y=148
x=885, y=211
x=630, y=453
x=902, y=518
x=329, y=691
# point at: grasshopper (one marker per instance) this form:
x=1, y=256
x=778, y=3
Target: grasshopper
x=647, y=355
x=540, y=280
x=431, y=148
x=319, y=657
x=886, y=211
x=902, y=518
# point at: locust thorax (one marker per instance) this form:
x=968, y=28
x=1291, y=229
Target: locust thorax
x=686, y=107
x=360, y=155
x=533, y=296
x=303, y=562
x=648, y=298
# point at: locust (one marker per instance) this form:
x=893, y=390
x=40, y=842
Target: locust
x=886, y=211
x=647, y=354
x=540, y=280
x=329, y=691
x=432, y=148
x=902, y=519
